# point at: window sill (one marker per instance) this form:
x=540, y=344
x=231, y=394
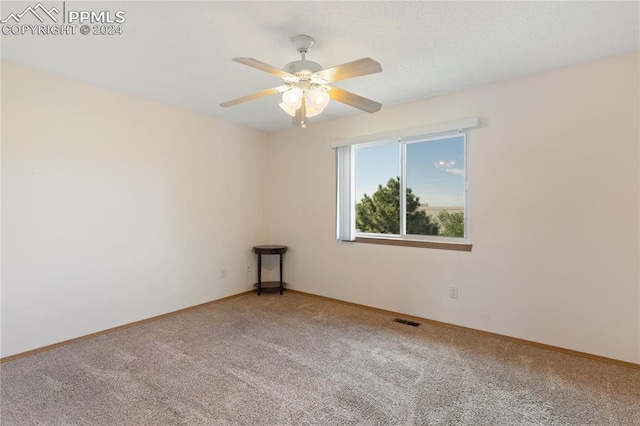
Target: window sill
x=415, y=243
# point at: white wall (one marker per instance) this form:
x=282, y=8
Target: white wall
x=555, y=150
x=116, y=209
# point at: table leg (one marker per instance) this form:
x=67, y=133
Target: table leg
x=281, y=286
x=259, y=274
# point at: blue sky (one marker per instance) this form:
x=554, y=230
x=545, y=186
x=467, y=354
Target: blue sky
x=435, y=170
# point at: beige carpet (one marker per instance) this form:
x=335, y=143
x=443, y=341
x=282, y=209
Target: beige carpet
x=297, y=360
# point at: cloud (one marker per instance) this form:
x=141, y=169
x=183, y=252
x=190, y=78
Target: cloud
x=457, y=172
x=444, y=164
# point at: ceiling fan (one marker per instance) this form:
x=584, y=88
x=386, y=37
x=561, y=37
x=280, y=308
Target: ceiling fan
x=305, y=92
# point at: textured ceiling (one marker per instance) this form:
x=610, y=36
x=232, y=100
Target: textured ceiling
x=179, y=53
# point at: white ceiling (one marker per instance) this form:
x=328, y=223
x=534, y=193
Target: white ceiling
x=179, y=53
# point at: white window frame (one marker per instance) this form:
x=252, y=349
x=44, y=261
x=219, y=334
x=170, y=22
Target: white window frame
x=346, y=154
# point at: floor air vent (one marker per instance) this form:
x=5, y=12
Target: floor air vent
x=407, y=322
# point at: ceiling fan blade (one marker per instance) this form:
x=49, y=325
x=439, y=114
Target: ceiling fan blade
x=254, y=63
x=251, y=97
x=354, y=100
x=357, y=68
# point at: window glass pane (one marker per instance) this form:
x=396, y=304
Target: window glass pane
x=377, y=189
x=436, y=187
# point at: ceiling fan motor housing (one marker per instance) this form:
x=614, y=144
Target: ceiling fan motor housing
x=303, y=68
x=296, y=67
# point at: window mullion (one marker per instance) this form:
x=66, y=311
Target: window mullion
x=403, y=189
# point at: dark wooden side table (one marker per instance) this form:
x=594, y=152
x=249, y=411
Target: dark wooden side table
x=261, y=250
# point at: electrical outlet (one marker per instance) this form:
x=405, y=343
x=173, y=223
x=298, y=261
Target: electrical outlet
x=453, y=292
x=248, y=269
x=223, y=273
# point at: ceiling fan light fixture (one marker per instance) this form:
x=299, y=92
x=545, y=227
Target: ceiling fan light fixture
x=319, y=98
x=291, y=101
x=293, y=98
x=287, y=109
x=312, y=112
x=316, y=101
x=312, y=109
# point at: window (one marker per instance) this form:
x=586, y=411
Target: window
x=407, y=190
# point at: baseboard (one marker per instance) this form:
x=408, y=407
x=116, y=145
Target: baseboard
x=120, y=327
x=486, y=333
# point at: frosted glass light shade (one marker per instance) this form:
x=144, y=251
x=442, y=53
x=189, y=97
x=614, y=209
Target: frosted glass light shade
x=285, y=108
x=293, y=98
x=318, y=98
x=291, y=101
x=315, y=102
